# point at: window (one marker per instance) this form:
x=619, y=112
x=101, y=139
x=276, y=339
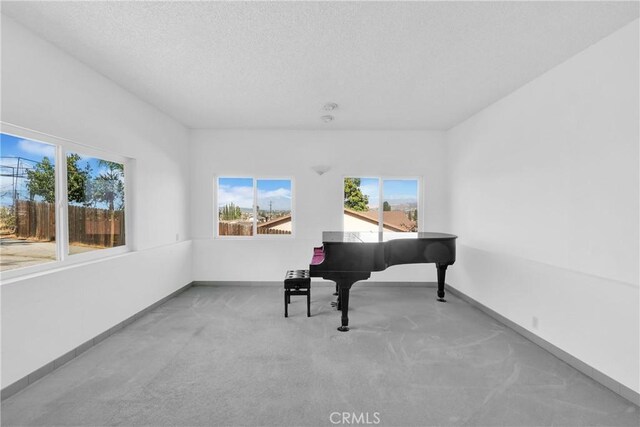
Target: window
x=254, y=206
x=95, y=193
x=381, y=204
x=27, y=202
x=36, y=177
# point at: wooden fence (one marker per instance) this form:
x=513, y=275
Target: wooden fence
x=265, y=230
x=88, y=226
x=244, y=229
x=235, y=229
x=35, y=220
x=96, y=227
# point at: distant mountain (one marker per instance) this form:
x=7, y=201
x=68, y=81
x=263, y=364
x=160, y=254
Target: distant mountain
x=404, y=206
x=401, y=205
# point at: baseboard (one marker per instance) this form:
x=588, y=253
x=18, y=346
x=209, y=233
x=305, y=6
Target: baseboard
x=34, y=376
x=613, y=385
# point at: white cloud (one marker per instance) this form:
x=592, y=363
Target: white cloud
x=239, y=196
x=280, y=199
x=243, y=197
x=280, y=193
x=37, y=148
x=403, y=197
x=372, y=191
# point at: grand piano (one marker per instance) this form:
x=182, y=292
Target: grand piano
x=348, y=257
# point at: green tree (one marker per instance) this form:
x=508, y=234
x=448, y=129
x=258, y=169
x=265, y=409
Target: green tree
x=77, y=180
x=386, y=206
x=41, y=181
x=353, y=197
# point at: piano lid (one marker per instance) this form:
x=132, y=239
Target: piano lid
x=377, y=237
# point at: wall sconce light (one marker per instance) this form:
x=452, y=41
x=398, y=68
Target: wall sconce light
x=321, y=169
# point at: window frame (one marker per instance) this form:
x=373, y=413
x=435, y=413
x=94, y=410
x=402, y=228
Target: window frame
x=381, y=179
x=255, y=179
x=63, y=258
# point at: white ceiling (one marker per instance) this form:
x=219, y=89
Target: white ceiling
x=389, y=65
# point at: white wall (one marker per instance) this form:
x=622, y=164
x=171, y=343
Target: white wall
x=317, y=199
x=46, y=315
x=545, y=201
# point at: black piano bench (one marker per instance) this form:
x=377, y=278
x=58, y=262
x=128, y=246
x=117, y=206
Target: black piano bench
x=297, y=282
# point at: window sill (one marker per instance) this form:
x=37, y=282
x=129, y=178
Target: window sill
x=11, y=276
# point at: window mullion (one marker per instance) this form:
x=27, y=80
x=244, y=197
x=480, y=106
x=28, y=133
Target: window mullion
x=62, y=223
x=255, y=202
x=380, y=205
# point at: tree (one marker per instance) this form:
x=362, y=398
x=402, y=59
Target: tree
x=108, y=187
x=353, y=197
x=77, y=180
x=41, y=181
x=386, y=206
x=230, y=212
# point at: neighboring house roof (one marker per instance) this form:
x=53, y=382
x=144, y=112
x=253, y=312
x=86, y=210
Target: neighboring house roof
x=392, y=220
x=274, y=222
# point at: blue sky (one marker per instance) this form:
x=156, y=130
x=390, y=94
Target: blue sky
x=240, y=192
x=395, y=190
x=12, y=148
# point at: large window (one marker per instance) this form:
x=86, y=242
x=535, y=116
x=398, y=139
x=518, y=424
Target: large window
x=27, y=202
x=254, y=206
x=381, y=204
x=36, y=177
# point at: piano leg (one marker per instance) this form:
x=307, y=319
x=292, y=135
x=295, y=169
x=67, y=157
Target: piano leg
x=344, y=305
x=442, y=269
x=344, y=281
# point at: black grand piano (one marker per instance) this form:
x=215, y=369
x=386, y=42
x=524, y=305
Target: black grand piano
x=347, y=257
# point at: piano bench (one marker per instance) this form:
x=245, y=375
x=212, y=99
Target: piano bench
x=297, y=282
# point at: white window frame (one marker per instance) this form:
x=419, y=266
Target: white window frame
x=63, y=258
x=381, y=179
x=255, y=179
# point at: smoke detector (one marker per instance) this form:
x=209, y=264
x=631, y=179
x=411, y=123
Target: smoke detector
x=330, y=106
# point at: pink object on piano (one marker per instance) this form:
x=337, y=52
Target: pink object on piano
x=318, y=256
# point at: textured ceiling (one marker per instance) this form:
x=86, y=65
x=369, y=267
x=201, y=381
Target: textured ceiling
x=389, y=65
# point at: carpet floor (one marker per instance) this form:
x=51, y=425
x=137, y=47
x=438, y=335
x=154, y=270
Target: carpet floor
x=226, y=356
